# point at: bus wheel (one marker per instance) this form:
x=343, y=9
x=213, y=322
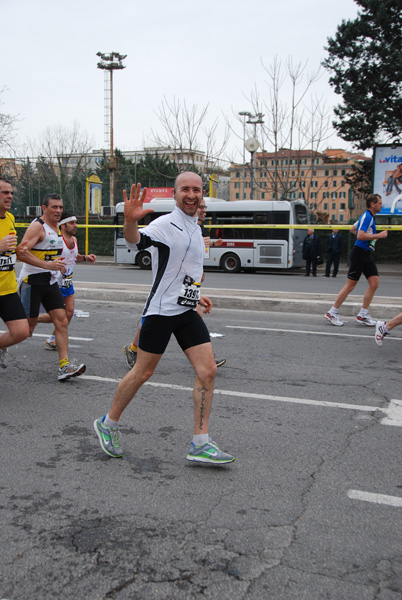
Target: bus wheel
x=144, y=260
x=230, y=263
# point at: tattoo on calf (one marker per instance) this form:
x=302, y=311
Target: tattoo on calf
x=202, y=391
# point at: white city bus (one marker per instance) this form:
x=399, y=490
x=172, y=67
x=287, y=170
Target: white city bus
x=245, y=245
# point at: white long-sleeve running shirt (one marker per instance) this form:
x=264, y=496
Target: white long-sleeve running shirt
x=177, y=250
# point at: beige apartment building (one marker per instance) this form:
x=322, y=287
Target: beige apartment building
x=318, y=178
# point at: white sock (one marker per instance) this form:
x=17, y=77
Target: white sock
x=333, y=310
x=200, y=439
x=109, y=423
x=51, y=338
x=363, y=312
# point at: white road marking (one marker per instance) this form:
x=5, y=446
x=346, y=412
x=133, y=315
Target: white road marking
x=309, y=331
x=375, y=498
x=70, y=337
x=393, y=411
x=46, y=335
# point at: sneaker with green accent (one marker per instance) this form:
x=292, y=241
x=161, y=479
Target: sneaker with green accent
x=109, y=438
x=208, y=453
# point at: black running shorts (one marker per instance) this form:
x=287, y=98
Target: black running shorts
x=11, y=308
x=361, y=262
x=32, y=296
x=188, y=328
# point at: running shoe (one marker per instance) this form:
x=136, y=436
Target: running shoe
x=3, y=357
x=131, y=356
x=334, y=319
x=208, y=453
x=366, y=320
x=109, y=438
x=50, y=345
x=380, y=332
x=71, y=370
x=221, y=362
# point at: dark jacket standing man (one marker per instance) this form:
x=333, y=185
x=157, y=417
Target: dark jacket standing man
x=334, y=250
x=311, y=251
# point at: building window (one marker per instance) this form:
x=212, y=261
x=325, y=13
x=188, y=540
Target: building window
x=263, y=184
x=326, y=173
x=237, y=195
x=341, y=218
x=314, y=173
x=263, y=174
x=332, y=217
x=263, y=195
x=314, y=184
x=343, y=172
x=284, y=161
x=325, y=195
x=237, y=184
x=301, y=195
x=342, y=183
x=292, y=195
x=335, y=173
x=343, y=206
x=334, y=195
x=325, y=205
x=313, y=195
x=293, y=173
x=342, y=194
x=302, y=173
x=334, y=206
x=302, y=184
x=334, y=184
x=237, y=173
x=325, y=183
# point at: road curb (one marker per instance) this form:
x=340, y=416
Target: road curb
x=383, y=307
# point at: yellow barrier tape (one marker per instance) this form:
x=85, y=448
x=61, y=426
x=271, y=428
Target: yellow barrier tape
x=259, y=226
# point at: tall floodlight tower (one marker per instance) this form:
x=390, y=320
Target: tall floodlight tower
x=109, y=63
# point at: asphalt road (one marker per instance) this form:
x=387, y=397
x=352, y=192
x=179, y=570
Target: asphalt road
x=310, y=509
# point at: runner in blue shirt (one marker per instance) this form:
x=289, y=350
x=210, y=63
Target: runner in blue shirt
x=361, y=262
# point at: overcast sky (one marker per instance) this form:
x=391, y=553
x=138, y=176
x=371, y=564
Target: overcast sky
x=203, y=52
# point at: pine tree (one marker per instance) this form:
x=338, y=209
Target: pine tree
x=365, y=62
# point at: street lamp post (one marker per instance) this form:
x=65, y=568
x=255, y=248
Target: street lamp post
x=254, y=120
x=110, y=62
x=244, y=114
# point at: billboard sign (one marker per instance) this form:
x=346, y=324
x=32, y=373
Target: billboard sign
x=162, y=192
x=387, y=178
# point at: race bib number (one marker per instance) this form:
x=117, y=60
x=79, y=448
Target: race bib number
x=190, y=292
x=7, y=261
x=67, y=282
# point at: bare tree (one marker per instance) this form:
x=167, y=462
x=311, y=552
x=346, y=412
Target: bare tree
x=61, y=162
x=186, y=132
x=60, y=142
x=290, y=122
x=7, y=129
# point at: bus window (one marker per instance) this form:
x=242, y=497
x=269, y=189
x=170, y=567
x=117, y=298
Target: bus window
x=300, y=214
x=238, y=219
